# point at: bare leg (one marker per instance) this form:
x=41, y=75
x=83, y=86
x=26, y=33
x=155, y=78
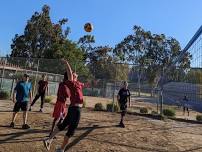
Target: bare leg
x=53, y=126
x=14, y=116
x=49, y=140
x=65, y=142
x=24, y=117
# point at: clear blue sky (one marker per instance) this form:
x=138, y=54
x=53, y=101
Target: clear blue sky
x=112, y=19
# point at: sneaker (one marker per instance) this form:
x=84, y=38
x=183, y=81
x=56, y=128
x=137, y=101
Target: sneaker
x=30, y=109
x=47, y=144
x=25, y=126
x=12, y=125
x=121, y=124
x=41, y=110
x=59, y=150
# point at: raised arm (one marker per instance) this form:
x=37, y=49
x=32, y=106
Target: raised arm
x=69, y=70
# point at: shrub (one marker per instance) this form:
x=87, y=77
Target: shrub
x=4, y=95
x=48, y=99
x=169, y=112
x=98, y=107
x=143, y=110
x=199, y=117
x=154, y=113
x=84, y=104
x=110, y=107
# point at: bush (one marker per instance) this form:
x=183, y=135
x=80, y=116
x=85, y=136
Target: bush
x=84, y=104
x=4, y=95
x=169, y=112
x=199, y=117
x=110, y=107
x=143, y=110
x=98, y=107
x=154, y=113
x=48, y=99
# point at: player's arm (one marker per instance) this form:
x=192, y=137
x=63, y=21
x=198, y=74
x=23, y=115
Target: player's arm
x=118, y=97
x=15, y=92
x=30, y=94
x=69, y=70
x=47, y=89
x=129, y=98
x=14, y=95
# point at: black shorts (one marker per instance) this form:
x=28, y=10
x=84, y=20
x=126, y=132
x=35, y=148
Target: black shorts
x=20, y=105
x=123, y=107
x=71, y=120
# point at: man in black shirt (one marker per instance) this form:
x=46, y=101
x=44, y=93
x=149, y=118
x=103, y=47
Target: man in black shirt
x=123, y=97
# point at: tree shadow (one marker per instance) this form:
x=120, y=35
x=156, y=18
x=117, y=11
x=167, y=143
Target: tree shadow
x=85, y=134
x=13, y=136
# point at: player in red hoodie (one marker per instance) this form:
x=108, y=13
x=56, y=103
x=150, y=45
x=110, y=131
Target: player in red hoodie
x=74, y=111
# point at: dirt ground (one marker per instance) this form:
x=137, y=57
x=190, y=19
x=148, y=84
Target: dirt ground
x=97, y=132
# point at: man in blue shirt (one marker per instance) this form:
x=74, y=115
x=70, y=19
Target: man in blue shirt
x=21, y=96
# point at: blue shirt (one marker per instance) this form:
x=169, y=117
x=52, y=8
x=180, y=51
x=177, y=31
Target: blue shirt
x=23, y=89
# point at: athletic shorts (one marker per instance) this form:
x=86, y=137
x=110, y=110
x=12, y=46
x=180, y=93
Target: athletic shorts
x=71, y=120
x=123, y=107
x=60, y=110
x=20, y=105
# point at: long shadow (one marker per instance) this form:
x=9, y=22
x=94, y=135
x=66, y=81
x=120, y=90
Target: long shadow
x=192, y=149
x=125, y=145
x=86, y=133
x=4, y=111
x=16, y=135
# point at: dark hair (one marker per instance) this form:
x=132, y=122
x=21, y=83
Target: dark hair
x=26, y=75
x=65, y=76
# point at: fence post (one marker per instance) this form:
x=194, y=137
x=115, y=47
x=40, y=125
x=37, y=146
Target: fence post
x=114, y=96
x=4, y=63
x=34, y=90
x=161, y=101
x=139, y=77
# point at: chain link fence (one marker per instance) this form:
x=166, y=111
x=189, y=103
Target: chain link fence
x=103, y=81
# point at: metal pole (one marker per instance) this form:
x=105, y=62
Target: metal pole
x=4, y=63
x=139, y=87
x=161, y=93
x=34, y=90
x=114, y=89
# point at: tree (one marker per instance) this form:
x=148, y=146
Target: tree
x=44, y=39
x=159, y=50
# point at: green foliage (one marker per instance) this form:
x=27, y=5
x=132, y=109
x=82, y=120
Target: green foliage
x=143, y=110
x=199, y=117
x=194, y=76
x=84, y=104
x=4, y=95
x=143, y=45
x=44, y=39
x=154, y=113
x=48, y=99
x=99, y=107
x=110, y=107
x=169, y=112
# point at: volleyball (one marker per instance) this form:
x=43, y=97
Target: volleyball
x=88, y=27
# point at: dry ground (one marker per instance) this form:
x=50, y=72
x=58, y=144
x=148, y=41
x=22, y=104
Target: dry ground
x=97, y=132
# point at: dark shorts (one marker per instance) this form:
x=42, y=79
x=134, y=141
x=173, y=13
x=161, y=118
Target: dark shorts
x=20, y=105
x=123, y=106
x=71, y=120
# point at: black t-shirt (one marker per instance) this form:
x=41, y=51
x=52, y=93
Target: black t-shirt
x=42, y=86
x=124, y=94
